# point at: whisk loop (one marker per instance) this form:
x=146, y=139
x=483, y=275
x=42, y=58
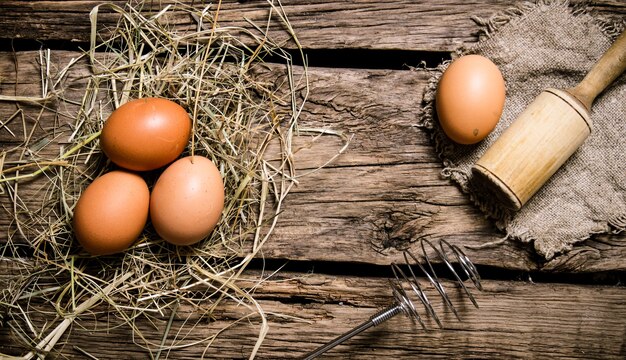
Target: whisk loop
x=403, y=303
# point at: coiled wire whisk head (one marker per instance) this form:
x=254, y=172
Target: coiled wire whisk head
x=403, y=303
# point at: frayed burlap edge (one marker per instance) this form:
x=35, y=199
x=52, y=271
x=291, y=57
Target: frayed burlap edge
x=427, y=120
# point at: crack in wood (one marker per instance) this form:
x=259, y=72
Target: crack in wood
x=399, y=229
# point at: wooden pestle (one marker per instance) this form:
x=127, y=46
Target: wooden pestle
x=545, y=134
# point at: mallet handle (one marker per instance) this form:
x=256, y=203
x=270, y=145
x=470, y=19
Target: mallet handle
x=611, y=65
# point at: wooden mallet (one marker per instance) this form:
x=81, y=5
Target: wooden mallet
x=546, y=134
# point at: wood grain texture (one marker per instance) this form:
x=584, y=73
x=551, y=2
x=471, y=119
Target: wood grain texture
x=516, y=320
x=343, y=224
x=382, y=194
x=370, y=24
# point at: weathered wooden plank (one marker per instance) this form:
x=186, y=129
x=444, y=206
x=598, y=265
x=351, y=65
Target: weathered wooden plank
x=41, y=112
x=370, y=24
x=384, y=192
x=516, y=320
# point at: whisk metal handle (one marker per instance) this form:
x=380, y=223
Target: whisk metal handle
x=376, y=319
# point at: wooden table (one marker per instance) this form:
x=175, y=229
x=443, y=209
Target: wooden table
x=335, y=237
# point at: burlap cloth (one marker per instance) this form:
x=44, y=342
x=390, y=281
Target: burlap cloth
x=537, y=47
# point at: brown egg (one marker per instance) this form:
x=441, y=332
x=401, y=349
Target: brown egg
x=187, y=200
x=111, y=213
x=470, y=99
x=146, y=134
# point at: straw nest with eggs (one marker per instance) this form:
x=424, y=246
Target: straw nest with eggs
x=242, y=121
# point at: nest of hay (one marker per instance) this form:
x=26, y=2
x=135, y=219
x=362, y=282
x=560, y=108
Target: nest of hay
x=237, y=121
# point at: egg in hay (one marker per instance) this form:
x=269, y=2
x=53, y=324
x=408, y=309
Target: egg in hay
x=111, y=212
x=187, y=200
x=146, y=133
x=470, y=99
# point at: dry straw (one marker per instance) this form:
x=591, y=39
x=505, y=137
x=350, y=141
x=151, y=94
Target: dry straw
x=244, y=124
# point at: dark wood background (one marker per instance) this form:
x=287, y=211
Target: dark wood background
x=385, y=189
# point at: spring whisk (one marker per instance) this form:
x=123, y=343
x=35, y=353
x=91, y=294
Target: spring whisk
x=403, y=303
